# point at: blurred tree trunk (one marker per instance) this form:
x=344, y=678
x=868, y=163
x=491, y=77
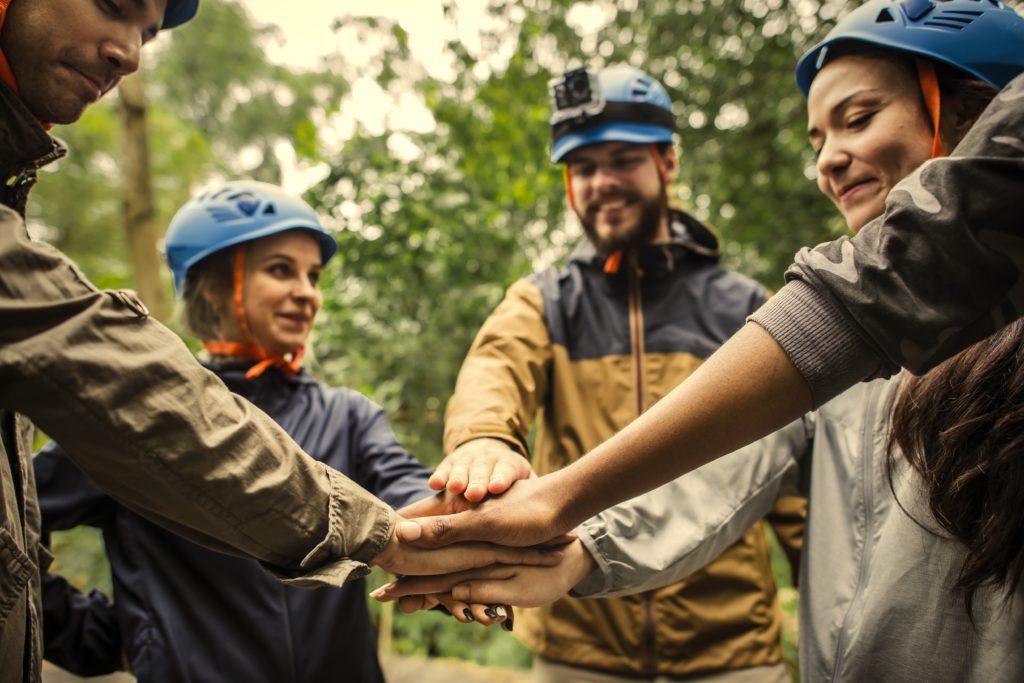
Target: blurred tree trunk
x=137, y=191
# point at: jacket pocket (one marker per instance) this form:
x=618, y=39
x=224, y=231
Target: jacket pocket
x=16, y=570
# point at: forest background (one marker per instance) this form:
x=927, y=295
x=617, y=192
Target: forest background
x=445, y=196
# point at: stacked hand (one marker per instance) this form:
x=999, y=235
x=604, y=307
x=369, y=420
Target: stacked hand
x=500, y=571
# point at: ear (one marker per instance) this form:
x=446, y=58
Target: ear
x=671, y=161
x=959, y=120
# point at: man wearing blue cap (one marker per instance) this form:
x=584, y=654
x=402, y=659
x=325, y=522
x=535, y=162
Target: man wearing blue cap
x=591, y=345
x=119, y=391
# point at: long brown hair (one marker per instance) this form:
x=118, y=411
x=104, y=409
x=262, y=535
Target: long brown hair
x=961, y=426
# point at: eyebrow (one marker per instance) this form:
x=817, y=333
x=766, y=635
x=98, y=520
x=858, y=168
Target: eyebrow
x=291, y=259
x=618, y=149
x=841, y=105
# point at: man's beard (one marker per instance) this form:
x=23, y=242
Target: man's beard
x=639, y=235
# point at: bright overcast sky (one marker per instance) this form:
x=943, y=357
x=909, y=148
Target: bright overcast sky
x=306, y=36
x=306, y=27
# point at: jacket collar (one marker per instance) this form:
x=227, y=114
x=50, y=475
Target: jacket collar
x=24, y=149
x=233, y=374
x=690, y=238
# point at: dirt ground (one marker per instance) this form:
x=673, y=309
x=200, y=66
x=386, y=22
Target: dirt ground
x=396, y=669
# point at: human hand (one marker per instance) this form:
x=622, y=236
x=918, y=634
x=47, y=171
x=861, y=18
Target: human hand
x=518, y=585
x=485, y=615
x=479, y=467
x=402, y=558
x=529, y=513
x=441, y=503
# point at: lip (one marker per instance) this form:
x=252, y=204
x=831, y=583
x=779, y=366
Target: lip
x=613, y=207
x=295, y=318
x=94, y=85
x=848, y=191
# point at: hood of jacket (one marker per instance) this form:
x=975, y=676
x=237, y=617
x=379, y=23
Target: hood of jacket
x=24, y=148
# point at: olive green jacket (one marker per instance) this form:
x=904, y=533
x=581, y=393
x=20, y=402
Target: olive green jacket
x=145, y=422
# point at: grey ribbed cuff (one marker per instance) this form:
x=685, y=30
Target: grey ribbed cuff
x=820, y=342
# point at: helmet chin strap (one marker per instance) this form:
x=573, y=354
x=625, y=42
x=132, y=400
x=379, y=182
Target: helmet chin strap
x=288, y=363
x=932, y=100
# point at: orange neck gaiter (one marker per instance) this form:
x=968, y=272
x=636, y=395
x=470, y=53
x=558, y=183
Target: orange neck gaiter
x=6, y=75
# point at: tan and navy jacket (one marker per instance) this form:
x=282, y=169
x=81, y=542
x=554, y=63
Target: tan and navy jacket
x=147, y=424
x=585, y=352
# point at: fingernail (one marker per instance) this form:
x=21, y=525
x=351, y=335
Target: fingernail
x=490, y=613
x=443, y=609
x=409, y=531
x=507, y=624
x=469, y=615
x=500, y=611
x=377, y=593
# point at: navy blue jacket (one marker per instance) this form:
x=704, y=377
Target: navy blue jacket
x=183, y=613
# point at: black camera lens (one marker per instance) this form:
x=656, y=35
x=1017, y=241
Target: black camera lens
x=574, y=90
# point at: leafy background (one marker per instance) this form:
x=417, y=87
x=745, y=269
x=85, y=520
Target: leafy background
x=434, y=222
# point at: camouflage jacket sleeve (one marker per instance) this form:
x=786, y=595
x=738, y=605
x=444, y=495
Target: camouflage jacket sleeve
x=940, y=270
x=163, y=436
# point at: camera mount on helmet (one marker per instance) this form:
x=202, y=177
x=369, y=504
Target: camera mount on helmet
x=576, y=96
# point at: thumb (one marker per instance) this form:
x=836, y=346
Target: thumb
x=409, y=531
x=438, y=531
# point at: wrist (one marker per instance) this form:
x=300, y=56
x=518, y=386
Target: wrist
x=385, y=559
x=580, y=563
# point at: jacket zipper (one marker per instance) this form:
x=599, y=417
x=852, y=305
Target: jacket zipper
x=636, y=322
x=867, y=456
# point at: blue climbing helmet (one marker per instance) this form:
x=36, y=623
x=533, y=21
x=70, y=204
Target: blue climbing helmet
x=618, y=104
x=238, y=212
x=984, y=38
x=178, y=12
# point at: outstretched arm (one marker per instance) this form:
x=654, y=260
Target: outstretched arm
x=749, y=377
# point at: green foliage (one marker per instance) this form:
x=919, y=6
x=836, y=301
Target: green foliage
x=434, y=224
x=80, y=559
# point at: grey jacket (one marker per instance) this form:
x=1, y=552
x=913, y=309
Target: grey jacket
x=145, y=422
x=875, y=598
x=940, y=270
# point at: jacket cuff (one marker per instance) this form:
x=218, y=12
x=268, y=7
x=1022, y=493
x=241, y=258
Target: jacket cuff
x=360, y=527
x=819, y=341
x=599, y=580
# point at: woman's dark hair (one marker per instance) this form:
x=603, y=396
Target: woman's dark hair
x=961, y=427
x=210, y=279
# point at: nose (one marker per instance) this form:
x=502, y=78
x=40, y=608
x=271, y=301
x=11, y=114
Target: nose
x=122, y=52
x=304, y=289
x=832, y=159
x=605, y=180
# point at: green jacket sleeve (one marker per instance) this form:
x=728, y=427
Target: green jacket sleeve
x=504, y=378
x=162, y=435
